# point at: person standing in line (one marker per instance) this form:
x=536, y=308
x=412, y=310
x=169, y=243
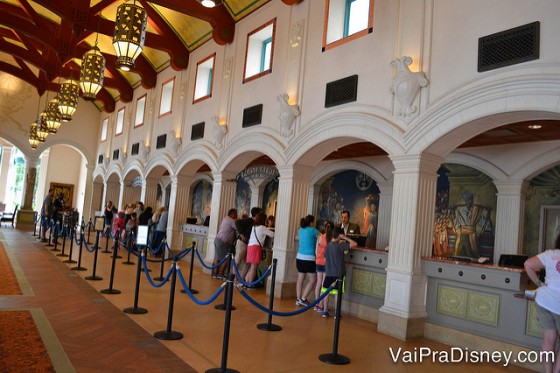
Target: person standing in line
x=223, y=243
x=244, y=227
x=548, y=300
x=109, y=213
x=47, y=212
x=320, y=261
x=305, y=259
x=339, y=245
x=161, y=228
x=259, y=232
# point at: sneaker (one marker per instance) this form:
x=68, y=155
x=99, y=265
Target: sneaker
x=302, y=302
x=325, y=314
x=318, y=309
x=340, y=317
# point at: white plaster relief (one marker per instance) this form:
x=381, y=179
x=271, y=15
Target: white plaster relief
x=296, y=34
x=220, y=131
x=288, y=115
x=406, y=85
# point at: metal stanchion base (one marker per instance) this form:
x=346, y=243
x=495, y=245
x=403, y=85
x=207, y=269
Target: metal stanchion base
x=78, y=269
x=168, y=336
x=222, y=307
x=71, y=261
x=269, y=327
x=160, y=279
x=64, y=255
x=146, y=270
x=191, y=290
x=219, y=370
x=135, y=310
x=118, y=257
x=106, y=252
x=55, y=249
x=94, y=278
x=128, y=262
x=110, y=291
x=334, y=359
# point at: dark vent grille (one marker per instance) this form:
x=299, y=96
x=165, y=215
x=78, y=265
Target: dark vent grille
x=510, y=47
x=342, y=91
x=252, y=116
x=161, y=141
x=197, y=131
x=100, y=159
x=135, y=148
x=115, y=154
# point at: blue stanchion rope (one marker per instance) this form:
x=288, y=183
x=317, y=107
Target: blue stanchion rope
x=204, y=264
x=257, y=281
x=193, y=298
x=285, y=314
x=165, y=279
x=83, y=239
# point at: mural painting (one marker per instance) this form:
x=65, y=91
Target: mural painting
x=201, y=200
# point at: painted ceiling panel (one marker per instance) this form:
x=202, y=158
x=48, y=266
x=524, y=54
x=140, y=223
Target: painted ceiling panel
x=15, y=42
x=241, y=8
x=32, y=68
x=158, y=59
x=44, y=12
x=113, y=92
x=192, y=31
x=8, y=58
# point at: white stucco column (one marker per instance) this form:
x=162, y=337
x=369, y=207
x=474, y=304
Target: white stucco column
x=384, y=216
x=4, y=168
x=88, y=193
x=148, y=195
x=293, y=195
x=127, y=193
x=179, y=209
x=223, y=199
x=112, y=190
x=30, y=173
x=412, y=216
x=510, y=210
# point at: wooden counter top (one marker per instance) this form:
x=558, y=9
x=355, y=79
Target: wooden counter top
x=474, y=264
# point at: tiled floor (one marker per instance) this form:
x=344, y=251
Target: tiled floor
x=87, y=331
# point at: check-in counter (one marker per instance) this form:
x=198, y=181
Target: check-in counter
x=195, y=233
x=486, y=300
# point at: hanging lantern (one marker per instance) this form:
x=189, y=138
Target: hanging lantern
x=92, y=73
x=129, y=34
x=33, y=138
x=68, y=99
x=41, y=129
x=53, y=116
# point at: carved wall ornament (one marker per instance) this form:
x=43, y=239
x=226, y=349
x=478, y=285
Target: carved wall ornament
x=406, y=85
x=296, y=34
x=220, y=131
x=227, y=67
x=288, y=115
x=174, y=143
x=143, y=151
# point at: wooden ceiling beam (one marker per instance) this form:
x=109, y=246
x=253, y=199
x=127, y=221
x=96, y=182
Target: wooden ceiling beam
x=292, y=2
x=31, y=13
x=107, y=99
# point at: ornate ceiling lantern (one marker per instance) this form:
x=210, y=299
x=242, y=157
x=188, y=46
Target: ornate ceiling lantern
x=33, y=138
x=68, y=99
x=41, y=129
x=129, y=34
x=210, y=3
x=53, y=116
x=92, y=73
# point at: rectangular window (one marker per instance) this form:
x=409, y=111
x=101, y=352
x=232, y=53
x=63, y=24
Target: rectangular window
x=204, y=78
x=120, y=122
x=166, y=97
x=260, y=51
x=140, y=109
x=104, y=129
x=347, y=20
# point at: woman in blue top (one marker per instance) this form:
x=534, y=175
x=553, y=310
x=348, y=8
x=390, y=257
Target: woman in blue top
x=305, y=259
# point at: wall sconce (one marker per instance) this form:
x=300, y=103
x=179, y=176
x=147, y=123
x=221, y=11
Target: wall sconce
x=130, y=34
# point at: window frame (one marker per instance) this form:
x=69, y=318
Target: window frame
x=346, y=38
x=262, y=73
x=210, y=82
x=104, y=129
x=144, y=97
x=121, y=110
x=164, y=114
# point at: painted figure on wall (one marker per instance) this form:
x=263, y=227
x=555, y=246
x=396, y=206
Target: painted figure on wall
x=370, y=220
x=201, y=200
x=472, y=224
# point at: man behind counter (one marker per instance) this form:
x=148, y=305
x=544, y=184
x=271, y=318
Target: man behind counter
x=346, y=226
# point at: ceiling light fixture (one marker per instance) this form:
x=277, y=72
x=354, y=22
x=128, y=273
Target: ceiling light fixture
x=535, y=126
x=53, y=116
x=68, y=99
x=92, y=72
x=33, y=138
x=130, y=34
x=210, y=3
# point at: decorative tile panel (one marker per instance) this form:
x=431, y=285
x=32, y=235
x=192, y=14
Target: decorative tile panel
x=452, y=301
x=532, y=325
x=483, y=308
x=368, y=283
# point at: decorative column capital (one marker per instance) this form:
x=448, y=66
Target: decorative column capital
x=31, y=161
x=298, y=172
x=511, y=187
x=411, y=163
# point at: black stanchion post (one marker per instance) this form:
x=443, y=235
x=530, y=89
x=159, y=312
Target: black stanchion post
x=193, y=248
x=269, y=326
x=110, y=290
x=168, y=334
x=72, y=236
x=162, y=265
x=69, y=260
x=93, y=277
x=225, y=344
x=223, y=306
x=107, y=235
x=55, y=248
x=135, y=309
x=63, y=243
x=334, y=358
